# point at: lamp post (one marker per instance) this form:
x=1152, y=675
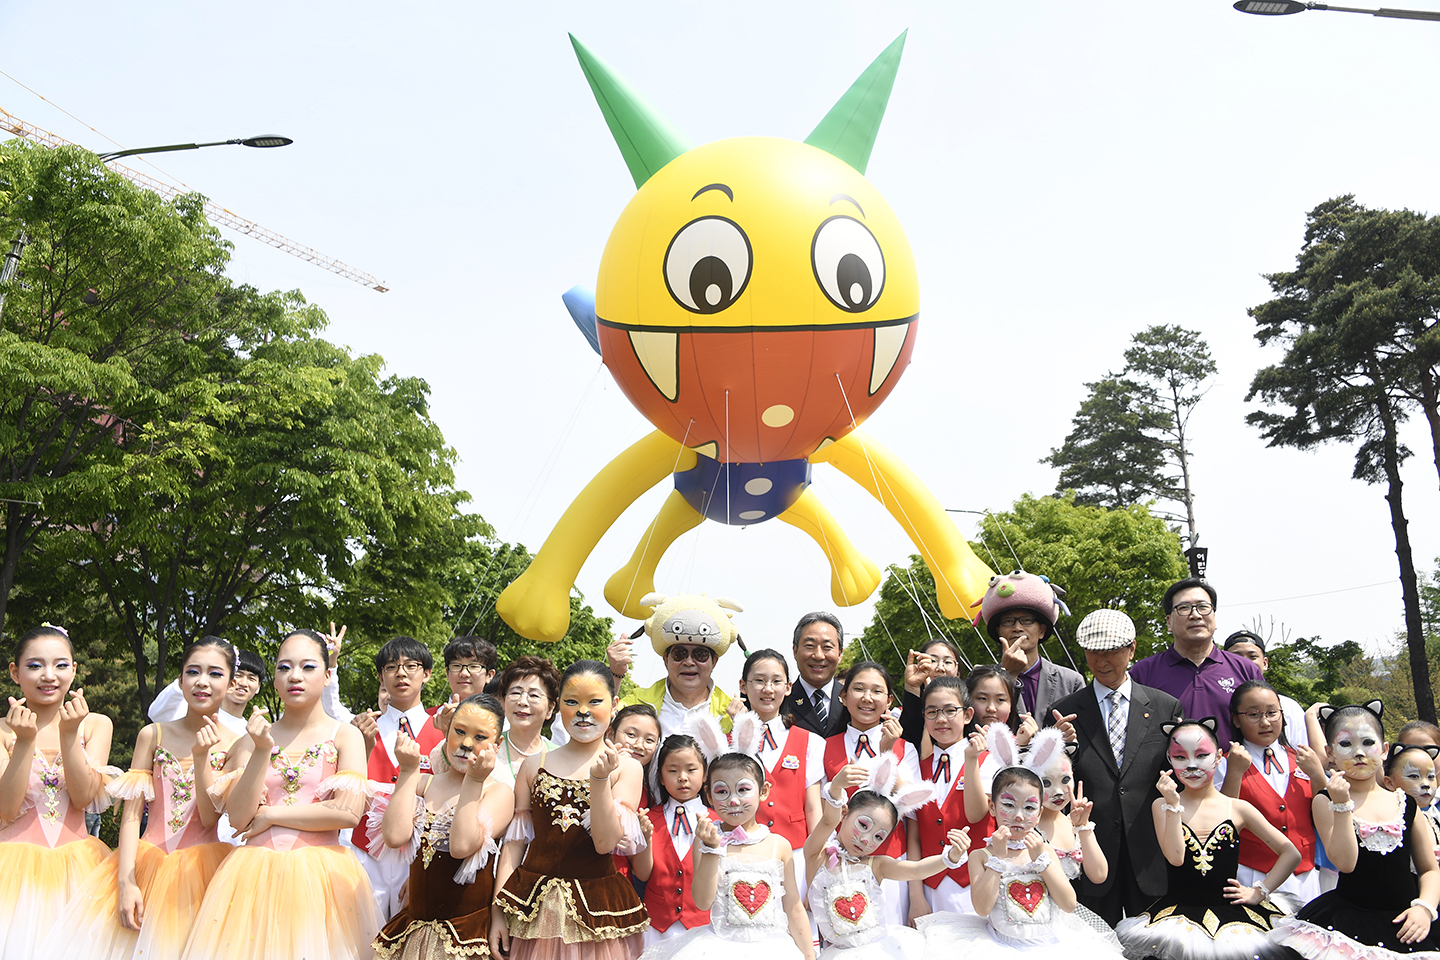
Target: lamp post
x=264, y=141
x=1281, y=8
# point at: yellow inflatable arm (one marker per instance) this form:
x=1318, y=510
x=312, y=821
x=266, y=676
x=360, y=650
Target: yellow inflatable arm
x=537, y=603
x=960, y=577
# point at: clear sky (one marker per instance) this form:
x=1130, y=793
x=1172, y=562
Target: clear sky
x=1067, y=172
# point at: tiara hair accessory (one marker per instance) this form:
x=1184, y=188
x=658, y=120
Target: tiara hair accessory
x=57, y=628
x=884, y=779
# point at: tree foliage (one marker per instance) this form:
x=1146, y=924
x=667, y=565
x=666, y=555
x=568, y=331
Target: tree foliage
x=181, y=456
x=1130, y=441
x=1123, y=558
x=1353, y=319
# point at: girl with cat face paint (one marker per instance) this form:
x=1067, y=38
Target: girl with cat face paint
x=1206, y=911
x=1379, y=908
x=559, y=895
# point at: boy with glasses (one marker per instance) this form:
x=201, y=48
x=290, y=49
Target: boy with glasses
x=404, y=665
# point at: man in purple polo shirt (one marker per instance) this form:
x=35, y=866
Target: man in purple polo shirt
x=1193, y=669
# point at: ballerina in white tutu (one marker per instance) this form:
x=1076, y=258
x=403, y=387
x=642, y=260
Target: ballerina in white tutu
x=1024, y=904
x=745, y=875
x=845, y=872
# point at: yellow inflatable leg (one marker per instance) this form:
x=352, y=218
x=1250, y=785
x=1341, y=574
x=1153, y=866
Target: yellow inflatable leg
x=537, y=604
x=960, y=577
x=637, y=578
x=853, y=576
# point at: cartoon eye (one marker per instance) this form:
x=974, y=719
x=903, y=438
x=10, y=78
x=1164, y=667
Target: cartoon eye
x=708, y=264
x=704, y=630
x=848, y=264
x=676, y=626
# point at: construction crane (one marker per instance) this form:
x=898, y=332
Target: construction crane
x=217, y=214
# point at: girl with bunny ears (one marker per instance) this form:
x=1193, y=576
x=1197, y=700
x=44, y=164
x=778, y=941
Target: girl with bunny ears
x=1072, y=835
x=1024, y=904
x=744, y=874
x=1206, y=912
x=845, y=869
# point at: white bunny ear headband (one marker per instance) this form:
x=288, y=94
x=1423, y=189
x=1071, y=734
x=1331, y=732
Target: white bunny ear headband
x=1046, y=747
x=884, y=780
x=745, y=735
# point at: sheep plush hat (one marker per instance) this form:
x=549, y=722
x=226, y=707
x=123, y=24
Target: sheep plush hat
x=690, y=618
x=1022, y=591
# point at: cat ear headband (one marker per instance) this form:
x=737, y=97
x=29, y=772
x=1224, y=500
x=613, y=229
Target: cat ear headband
x=1372, y=706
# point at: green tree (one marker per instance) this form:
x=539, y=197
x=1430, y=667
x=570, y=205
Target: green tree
x=1346, y=375
x=114, y=289
x=1130, y=440
x=1122, y=558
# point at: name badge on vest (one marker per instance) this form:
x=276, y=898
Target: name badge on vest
x=1299, y=774
x=790, y=762
x=425, y=765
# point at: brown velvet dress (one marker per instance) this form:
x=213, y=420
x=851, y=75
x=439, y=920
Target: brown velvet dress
x=564, y=891
x=441, y=919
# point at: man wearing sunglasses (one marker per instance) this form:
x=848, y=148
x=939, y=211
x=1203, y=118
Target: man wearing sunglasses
x=691, y=640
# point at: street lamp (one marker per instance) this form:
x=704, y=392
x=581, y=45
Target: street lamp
x=264, y=141
x=1280, y=8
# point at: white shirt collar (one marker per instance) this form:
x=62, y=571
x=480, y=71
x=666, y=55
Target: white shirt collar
x=695, y=808
x=388, y=725
x=1103, y=692
x=829, y=688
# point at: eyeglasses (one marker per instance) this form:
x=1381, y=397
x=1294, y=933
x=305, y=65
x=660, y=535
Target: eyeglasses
x=935, y=713
x=1255, y=716
x=1015, y=622
x=469, y=669
x=529, y=696
x=679, y=654
x=767, y=684
x=410, y=667
x=1185, y=609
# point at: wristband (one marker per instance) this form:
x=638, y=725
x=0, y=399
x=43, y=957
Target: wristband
x=713, y=851
x=837, y=804
x=1434, y=914
x=1345, y=807
x=1172, y=809
x=1087, y=825
x=1264, y=890
x=945, y=859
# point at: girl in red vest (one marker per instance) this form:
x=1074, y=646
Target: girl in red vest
x=845, y=871
x=665, y=866
x=946, y=709
x=793, y=758
x=1276, y=779
x=871, y=732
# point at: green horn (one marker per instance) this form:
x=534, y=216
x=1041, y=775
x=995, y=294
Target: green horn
x=646, y=139
x=848, y=130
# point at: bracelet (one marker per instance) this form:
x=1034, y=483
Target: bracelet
x=1172, y=809
x=1087, y=825
x=713, y=851
x=945, y=859
x=1434, y=914
x=837, y=804
x=1345, y=807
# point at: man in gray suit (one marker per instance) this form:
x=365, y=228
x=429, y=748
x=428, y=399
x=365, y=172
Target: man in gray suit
x=1121, y=751
x=1020, y=610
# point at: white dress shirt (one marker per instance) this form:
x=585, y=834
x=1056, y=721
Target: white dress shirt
x=956, y=752
x=387, y=726
x=675, y=718
x=1279, y=782
x=695, y=812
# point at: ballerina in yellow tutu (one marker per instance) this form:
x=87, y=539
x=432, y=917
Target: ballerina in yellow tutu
x=290, y=788
x=52, y=751
x=141, y=900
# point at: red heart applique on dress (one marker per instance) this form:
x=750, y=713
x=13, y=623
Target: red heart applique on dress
x=750, y=898
x=1028, y=895
x=852, y=908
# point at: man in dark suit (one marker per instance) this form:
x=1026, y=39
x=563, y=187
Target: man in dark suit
x=814, y=701
x=1119, y=758
x=1020, y=610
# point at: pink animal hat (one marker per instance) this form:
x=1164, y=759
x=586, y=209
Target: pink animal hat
x=1022, y=591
